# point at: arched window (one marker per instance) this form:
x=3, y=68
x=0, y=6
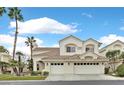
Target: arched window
x=89, y=48
x=70, y=48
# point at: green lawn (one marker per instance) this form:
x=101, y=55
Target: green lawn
x=11, y=77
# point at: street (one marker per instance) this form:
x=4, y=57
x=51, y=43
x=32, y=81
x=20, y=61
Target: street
x=84, y=82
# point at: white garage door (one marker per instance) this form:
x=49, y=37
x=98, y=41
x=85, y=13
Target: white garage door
x=57, y=68
x=88, y=68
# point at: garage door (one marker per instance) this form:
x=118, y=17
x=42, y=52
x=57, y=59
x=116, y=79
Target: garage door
x=57, y=68
x=88, y=68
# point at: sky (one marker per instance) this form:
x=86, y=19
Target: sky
x=49, y=25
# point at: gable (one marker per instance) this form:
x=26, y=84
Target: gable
x=69, y=38
x=114, y=44
x=92, y=41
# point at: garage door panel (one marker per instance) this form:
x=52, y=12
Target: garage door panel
x=57, y=69
x=88, y=69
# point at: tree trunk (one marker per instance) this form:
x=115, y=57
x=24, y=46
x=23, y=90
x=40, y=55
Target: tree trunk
x=31, y=50
x=15, y=71
x=123, y=61
x=2, y=69
x=31, y=57
x=19, y=62
x=15, y=40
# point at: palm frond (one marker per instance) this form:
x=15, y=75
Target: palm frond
x=19, y=53
x=2, y=10
x=27, y=43
x=15, y=13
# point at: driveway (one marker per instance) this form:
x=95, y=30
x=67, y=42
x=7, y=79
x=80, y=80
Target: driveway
x=81, y=77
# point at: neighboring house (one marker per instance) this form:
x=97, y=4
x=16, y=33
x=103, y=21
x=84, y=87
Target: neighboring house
x=73, y=56
x=5, y=57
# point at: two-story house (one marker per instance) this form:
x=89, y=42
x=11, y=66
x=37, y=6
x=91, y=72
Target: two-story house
x=73, y=56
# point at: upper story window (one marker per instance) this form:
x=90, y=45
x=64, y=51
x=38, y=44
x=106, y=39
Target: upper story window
x=70, y=48
x=90, y=48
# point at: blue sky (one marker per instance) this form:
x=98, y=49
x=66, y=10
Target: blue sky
x=103, y=24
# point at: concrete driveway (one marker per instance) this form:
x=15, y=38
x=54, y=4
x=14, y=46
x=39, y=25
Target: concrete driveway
x=81, y=77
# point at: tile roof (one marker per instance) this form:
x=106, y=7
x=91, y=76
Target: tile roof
x=63, y=57
x=54, y=54
x=47, y=51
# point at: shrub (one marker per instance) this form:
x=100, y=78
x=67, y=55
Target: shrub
x=120, y=70
x=6, y=72
x=106, y=70
x=35, y=73
x=45, y=73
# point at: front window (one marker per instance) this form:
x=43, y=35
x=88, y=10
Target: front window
x=70, y=49
x=90, y=48
x=87, y=49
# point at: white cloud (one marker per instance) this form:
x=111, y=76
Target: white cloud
x=110, y=38
x=87, y=15
x=44, y=25
x=55, y=45
x=8, y=40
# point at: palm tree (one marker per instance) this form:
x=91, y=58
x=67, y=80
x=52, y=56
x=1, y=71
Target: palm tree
x=20, y=63
x=21, y=67
x=30, y=42
x=15, y=13
x=2, y=11
x=17, y=66
x=14, y=65
x=20, y=55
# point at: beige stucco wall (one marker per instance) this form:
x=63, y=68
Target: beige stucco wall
x=5, y=57
x=93, y=43
x=70, y=40
x=79, y=43
x=36, y=59
x=89, y=54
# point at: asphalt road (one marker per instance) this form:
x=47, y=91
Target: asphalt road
x=38, y=82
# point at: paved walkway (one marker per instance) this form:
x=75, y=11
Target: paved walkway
x=81, y=77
